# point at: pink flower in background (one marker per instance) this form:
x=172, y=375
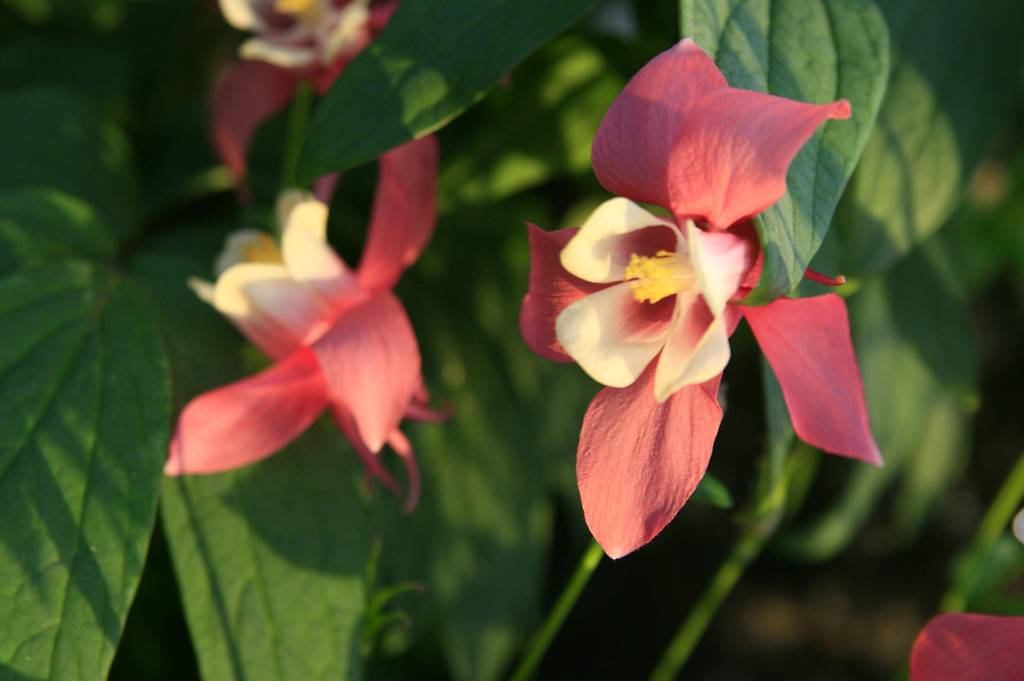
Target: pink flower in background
x=646, y=304
x=961, y=646
x=339, y=338
x=294, y=40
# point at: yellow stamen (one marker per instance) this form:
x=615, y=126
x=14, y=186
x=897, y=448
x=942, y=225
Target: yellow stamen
x=659, y=276
x=294, y=7
x=261, y=249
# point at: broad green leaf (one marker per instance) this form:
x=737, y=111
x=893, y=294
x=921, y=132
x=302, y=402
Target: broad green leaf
x=54, y=138
x=93, y=68
x=813, y=51
x=922, y=427
x=84, y=401
x=946, y=100
x=37, y=225
x=270, y=563
x=549, y=113
x=434, y=60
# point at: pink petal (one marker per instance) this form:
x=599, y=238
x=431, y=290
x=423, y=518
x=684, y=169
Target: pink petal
x=404, y=213
x=372, y=364
x=380, y=14
x=807, y=343
x=246, y=421
x=552, y=289
x=966, y=647
x=249, y=93
x=640, y=460
x=632, y=146
x=730, y=159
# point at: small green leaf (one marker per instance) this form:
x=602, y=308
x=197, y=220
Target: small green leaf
x=945, y=103
x=84, y=401
x=434, y=60
x=813, y=51
x=712, y=491
x=53, y=138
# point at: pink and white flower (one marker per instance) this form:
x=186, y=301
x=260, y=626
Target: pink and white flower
x=340, y=339
x=294, y=41
x=646, y=304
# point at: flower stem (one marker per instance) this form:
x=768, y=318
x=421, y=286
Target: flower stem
x=993, y=525
x=747, y=547
x=298, y=119
x=542, y=639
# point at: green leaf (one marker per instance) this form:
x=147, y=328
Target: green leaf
x=37, y=225
x=84, y=401
x=548, y=114
x=270, y=563
x=412, y=79
x=946, y=101
x=813, y=51
x=712, y=491
x=54, y=138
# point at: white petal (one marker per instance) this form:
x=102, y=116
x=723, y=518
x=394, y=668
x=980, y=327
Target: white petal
x=309, y=258
x=609, y=336
x=240, y=246
x=721, y=260
x=349, y=29
x=696, y=349
x=286, y=56
x=593, y=253
x=239, y=13
x=271, y=309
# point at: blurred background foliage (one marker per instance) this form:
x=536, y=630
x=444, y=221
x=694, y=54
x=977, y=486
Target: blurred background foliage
x=110, y=194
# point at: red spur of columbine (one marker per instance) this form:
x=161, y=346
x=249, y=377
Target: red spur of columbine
x=646, y=304
x=294, y=41
x=340, y=339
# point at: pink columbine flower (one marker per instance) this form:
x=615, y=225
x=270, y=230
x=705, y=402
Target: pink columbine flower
x=294, y=40
x=646, y=304
x=340, y=339
x=960, y=646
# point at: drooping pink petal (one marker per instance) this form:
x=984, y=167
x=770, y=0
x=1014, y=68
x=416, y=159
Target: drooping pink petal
x=400, y=443
x=808, y=345
x=730, y=159
x=375, y=470
x=552, y=289
x=967, y=647
x=612, y=335
x=249, y=93
x=246, y=421
x=372, y=364
x=640, y=460
x=632, y=146
x=404, y=214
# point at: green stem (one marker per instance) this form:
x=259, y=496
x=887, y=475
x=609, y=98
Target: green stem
x=298, y=119
x=747, y=547
x=993, y=525
x=542, y=639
